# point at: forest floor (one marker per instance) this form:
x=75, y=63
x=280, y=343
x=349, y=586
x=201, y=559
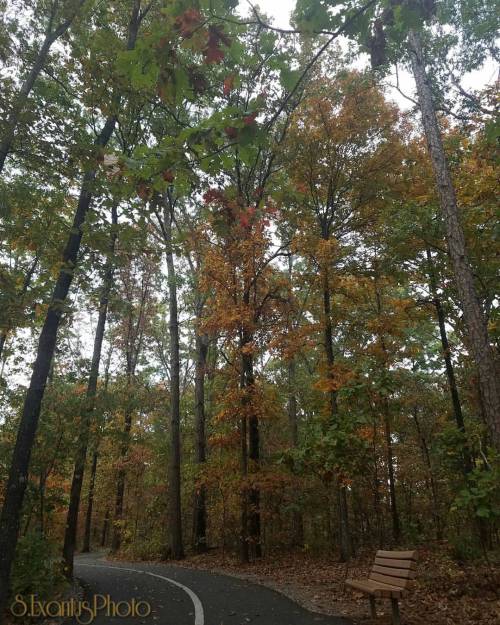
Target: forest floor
x=445, y=592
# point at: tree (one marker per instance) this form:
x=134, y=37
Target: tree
x=343, y=135
x=473, y=313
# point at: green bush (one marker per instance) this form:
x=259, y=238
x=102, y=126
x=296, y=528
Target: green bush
x=37, y=568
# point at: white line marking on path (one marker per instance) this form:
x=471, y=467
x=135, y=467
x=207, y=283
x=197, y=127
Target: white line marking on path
x=199, y=616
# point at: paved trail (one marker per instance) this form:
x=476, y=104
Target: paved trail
x=180, y=596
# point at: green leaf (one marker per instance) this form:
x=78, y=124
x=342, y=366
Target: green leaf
x=289, y=77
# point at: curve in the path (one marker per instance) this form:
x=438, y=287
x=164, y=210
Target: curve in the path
x=199, y=616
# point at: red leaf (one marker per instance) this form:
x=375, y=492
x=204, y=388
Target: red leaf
x=216, y=36
x=249, y=120
x=188, y=21
x=213, y=54
x=228, y=84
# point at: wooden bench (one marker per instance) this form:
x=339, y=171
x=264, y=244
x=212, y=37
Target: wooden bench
x=390, y=577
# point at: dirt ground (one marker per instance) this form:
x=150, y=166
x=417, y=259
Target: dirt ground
x=445, y=592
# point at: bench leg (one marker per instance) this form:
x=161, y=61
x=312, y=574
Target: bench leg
x=373, y=609
x=396, y=619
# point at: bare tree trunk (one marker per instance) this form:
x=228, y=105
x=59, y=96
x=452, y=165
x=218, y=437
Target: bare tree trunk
x=475, y=320
x=93, y=472
x=200, y=508
x=175, y=504
x=345, y=537
x=3, y=338
x=450, y=371
x=105, y=528
x=116, y=539
x=244, y=546
x=253, y=461
x=297, y=520
x=434, y=493
x=90, y=503
x=86, y=417
x=386, y=414
x=52, y=34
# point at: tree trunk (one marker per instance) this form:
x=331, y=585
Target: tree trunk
x=175, y=510
x=345, y=538
x=248, y=385
x=244, y=544
x=427, y=459
x=475, y=320
x=386, y=414
x=3, y=339
x=105, y=528
x=86, y=417
x=396, y=528
x=200, y=511
x=90, y=503
x=450, y=371
x=254, y=527
x=116, y=539
x=297, y=520
x=18, y=106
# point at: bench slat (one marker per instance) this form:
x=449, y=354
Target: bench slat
x=396, y=564
x=387, y=579
x=397, y=555
x=384, y=570
x=376, y=589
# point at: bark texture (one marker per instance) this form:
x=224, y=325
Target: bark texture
x=200, y=507
x=345, y=538
x=90, y=503
x=474, y=317
x=450, y=371
x=174, y=483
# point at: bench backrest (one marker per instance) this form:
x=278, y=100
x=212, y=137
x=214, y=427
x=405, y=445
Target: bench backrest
x=396, y=568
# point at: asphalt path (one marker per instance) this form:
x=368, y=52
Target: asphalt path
x=182, y=596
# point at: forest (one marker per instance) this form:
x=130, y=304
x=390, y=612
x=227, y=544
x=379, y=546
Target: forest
x=249, y=314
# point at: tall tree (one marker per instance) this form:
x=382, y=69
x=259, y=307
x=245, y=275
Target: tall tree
x=475, y=319
x=174, y=481
x=137, y=284
x=342, y=135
